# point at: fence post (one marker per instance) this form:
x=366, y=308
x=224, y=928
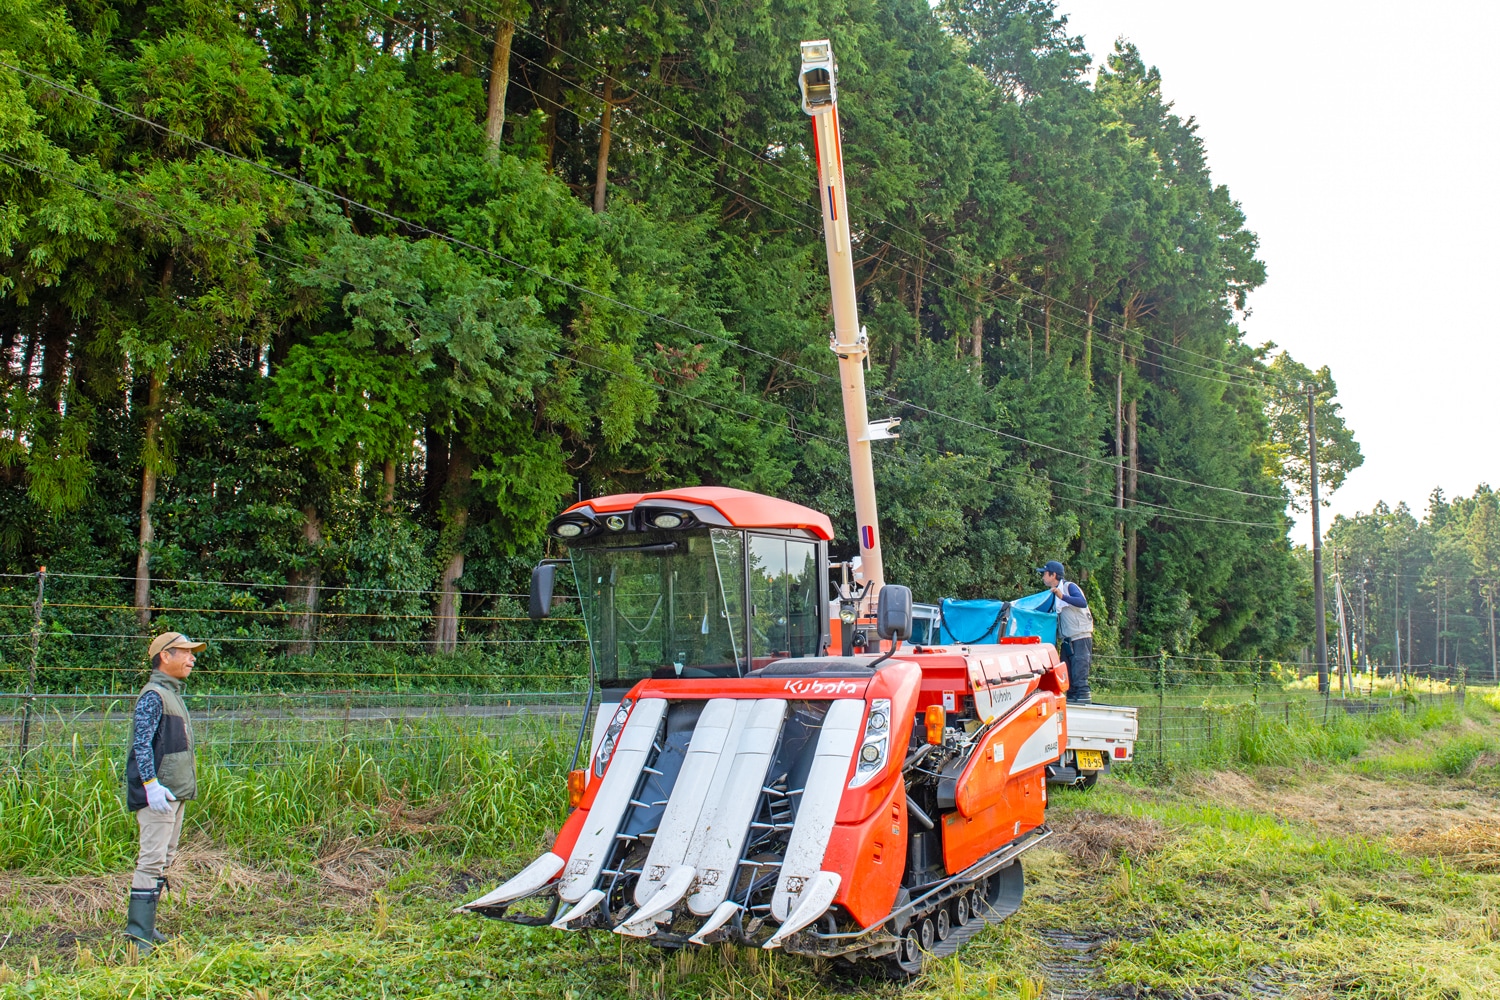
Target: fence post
x=1161, y=706
x=36, y=645
x=1463, y=677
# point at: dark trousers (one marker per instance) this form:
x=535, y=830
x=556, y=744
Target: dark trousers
x=1079, y=655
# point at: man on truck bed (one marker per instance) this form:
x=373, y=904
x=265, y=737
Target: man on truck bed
x=1075, y=629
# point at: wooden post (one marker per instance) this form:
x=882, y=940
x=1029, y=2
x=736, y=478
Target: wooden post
x=1161, y=705
x=1320, y=622
x=36, y=646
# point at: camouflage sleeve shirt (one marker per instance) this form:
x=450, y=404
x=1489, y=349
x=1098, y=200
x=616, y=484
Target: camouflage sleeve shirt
x=147, y=718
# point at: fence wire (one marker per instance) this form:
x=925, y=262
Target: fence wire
x=280, y=676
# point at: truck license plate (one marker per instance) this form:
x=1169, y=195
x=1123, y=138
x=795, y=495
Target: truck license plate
x=1090, y=760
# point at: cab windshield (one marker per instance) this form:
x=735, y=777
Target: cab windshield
x=672, y=603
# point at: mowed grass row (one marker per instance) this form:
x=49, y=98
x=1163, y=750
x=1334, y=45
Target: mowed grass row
x=1176, y=892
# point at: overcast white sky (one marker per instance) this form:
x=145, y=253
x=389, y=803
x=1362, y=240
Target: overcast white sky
x=1362, y=140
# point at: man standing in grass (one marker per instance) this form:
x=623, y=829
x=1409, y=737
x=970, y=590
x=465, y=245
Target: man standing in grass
x=159, y=778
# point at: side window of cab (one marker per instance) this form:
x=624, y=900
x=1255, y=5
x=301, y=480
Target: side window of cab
x=783, y=597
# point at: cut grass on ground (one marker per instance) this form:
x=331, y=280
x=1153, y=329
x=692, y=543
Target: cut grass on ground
x=1213, y=884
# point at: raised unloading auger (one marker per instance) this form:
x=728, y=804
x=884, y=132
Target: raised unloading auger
x=742, y=784
x=820, y=99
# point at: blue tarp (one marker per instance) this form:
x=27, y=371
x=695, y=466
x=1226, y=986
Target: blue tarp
x=1025, y=619
x=970, y=622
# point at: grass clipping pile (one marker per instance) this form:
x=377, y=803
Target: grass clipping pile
x=1097, y=840
x=200, y=873
x=1473, y=845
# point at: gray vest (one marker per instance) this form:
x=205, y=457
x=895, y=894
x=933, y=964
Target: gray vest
x=171, y=749
x=1073, y=623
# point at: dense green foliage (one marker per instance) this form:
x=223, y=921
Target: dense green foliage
x=1434, y=582
x=264, y=276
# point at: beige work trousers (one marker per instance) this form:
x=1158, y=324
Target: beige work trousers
x=160, y=833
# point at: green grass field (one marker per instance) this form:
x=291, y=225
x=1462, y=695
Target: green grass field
x=1363, y=862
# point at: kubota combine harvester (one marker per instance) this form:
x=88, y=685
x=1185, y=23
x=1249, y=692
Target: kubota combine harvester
x=775, y=765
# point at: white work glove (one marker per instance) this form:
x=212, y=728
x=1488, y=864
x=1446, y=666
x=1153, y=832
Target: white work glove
x=159, y=797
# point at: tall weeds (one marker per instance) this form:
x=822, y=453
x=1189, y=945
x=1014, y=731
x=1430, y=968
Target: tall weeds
x=430, y=784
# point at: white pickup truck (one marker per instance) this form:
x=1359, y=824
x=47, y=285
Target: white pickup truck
x=1099, y=737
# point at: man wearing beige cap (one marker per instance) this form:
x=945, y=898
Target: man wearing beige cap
x=159, y=778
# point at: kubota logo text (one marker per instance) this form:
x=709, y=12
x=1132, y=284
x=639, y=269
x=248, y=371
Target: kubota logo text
x=822, y=687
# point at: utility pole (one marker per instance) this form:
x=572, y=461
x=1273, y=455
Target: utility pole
x=1317, y=545
x=1364, y=630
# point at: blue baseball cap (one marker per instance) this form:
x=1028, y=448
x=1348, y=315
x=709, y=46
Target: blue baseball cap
x=1052, y=567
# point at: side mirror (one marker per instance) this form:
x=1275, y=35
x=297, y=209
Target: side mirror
x=893, y=612
x=542, y=578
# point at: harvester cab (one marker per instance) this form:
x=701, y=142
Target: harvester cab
x=779, y=760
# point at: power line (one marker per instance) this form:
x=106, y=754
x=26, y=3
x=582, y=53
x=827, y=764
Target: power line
x=884, y=396
x=1183, y=515
x=1253, y=378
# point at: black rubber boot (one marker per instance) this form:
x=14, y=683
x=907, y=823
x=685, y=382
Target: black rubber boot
x=162, y=885
x=140, y=920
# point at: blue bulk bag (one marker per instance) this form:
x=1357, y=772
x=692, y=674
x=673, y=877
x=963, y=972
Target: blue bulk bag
x=1027, y=619
x=970, y=623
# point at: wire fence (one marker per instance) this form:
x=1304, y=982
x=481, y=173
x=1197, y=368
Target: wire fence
x=1202, y=712
x=259, y=730
x=1197, y=726
x=68, y=632
x=282, y=674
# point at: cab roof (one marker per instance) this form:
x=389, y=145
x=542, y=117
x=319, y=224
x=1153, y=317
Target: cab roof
x=740, y=508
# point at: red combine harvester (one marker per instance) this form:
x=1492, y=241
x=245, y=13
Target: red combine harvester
x=745, y=782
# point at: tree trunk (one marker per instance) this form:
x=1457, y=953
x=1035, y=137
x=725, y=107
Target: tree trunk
x=471, y=28
x=305, y=583
x=10, y=326
x=456, y=519
x=151, y=459
x=916, y=293
x=601, y=172
x=1117, y=591
x=390, y=486
x=550, y=102
x=1132, y=590
x=1047, y=329
x=1088, y=344
x=494, y=122
x=59, y=333
x=976, y=345
x=28, y=355
x=436, y=446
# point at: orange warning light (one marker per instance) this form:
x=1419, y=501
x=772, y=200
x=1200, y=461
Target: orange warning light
x=936, y=720
x=577, y=782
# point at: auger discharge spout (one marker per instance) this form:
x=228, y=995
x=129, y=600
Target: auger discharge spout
x=849, y=342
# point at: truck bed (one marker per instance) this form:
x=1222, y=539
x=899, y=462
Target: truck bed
x=1108, y=730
